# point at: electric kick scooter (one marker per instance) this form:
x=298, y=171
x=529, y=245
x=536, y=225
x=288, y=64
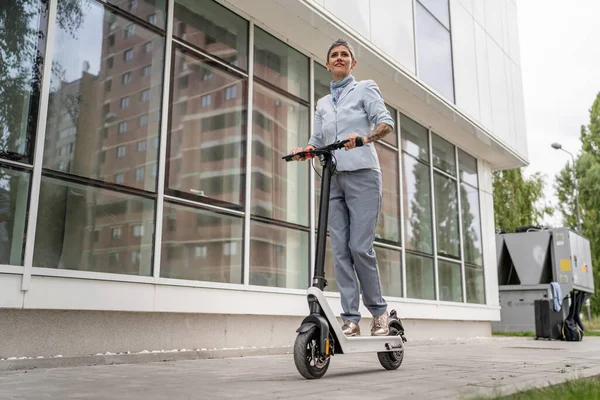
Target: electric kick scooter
x=320, y=336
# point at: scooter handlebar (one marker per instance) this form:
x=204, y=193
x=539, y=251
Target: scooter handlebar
x=320, y=150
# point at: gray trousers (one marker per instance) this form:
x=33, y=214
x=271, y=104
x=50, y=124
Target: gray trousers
x=354, y=206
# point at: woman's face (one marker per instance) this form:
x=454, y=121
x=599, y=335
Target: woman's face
x=340, y=62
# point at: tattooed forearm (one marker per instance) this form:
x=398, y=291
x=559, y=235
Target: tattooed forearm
x=379, y=132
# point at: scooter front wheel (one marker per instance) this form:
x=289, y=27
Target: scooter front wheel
x=309, y=362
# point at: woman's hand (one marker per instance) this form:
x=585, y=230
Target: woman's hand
x=298, y=150
x=352, y=143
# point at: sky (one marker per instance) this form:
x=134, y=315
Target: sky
x=560, y=62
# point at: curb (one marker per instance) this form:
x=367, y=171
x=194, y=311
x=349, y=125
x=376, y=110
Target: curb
x=117, y=359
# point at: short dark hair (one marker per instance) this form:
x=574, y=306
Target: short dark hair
x=341, y=42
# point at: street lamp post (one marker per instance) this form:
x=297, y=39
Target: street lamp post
x=558, y=146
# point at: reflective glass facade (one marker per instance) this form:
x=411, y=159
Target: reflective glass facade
x=161, y=157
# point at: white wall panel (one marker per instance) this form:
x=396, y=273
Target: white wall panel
x=493, y=20
x=85, y=294
x=519, y=103
x=61, y=293
x=490, y=267
x=465, y=60
x=11, y=295
x=512, y=123
x=479, y=12
x=392, y=30
x=513, y=33
x=504, y=21
x=499, y=93
x=355, y=13
x=467, y=4
x=483, y=77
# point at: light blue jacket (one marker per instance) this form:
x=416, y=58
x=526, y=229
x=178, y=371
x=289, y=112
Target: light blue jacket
x=359, y=109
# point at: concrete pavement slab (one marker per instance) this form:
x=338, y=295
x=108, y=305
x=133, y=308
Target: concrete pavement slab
x=458, y=371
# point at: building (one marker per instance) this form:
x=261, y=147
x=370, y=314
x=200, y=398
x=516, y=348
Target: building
x=142, y=187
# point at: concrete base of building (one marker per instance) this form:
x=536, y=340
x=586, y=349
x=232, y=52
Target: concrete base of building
x=54, y=338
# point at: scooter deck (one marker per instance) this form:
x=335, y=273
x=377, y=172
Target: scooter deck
x=355, y=344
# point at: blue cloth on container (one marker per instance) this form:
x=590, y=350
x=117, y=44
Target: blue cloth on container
x=556, y=295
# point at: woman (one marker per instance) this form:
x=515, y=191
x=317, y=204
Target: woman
x=348, y=112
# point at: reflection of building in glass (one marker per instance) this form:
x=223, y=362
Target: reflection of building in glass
x=105, y=128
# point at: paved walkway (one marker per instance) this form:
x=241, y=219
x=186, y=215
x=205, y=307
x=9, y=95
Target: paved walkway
x=452, y=371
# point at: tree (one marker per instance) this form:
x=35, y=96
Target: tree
x=22, y=44
x=518, y=200
x=587, y=172
x=565, y=193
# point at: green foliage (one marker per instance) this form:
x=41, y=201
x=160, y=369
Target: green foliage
x=565, y=193
x=588, y=389
x=587, y=171
x=517, y=199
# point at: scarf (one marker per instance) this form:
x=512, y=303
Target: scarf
x=338, y=87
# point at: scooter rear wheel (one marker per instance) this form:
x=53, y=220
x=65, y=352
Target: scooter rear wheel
x=391, y=359
x=307, y=358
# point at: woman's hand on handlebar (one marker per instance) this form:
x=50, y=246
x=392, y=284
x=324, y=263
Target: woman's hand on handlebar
x=352, y=143
x=300, y=149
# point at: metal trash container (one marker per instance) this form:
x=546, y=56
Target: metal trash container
x=528, y=262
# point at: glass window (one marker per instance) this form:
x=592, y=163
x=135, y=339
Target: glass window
x=322, y=82
x=390, y=271
x=388, y=223
x=21, y=66
x=279, y=189
x=419, y=277
x=279, y=256
x=475, y=284
x=280, y=65
x=415, y=138
x=14, y=195
x=77, y=101
x=194, y=250
x=434, y=53
x=207, y=144
x=471, y=224
x=439, y=9
x=450, y=281
x=418, y=226
x=144, y=9
x=443, y=155
x=70, y=213
x=329, y=266
x=392, y=137
x=446, y=216
x=468, y=168
x=212, y=28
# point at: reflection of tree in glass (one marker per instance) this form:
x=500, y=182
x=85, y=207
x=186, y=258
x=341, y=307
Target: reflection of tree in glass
x=21, y=64
x=470, y=225
x=446, y=206
x=419, y=217
x=5, y=222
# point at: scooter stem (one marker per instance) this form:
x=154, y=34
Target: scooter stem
x=319, y=280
